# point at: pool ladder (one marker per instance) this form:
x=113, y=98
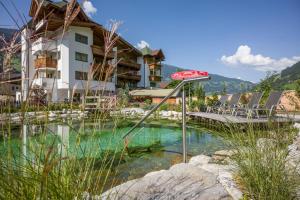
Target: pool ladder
x=178, y=87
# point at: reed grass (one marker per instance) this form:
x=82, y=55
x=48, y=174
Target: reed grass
x=45, y=167
x=261, y=157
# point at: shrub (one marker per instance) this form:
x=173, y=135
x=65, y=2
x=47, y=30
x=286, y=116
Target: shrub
x=212, y=100
x=198, y=105
x=148, y=101
x=165, y=106
x=298, y=88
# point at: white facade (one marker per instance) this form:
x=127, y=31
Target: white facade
x=63, y=52
x=144, y=72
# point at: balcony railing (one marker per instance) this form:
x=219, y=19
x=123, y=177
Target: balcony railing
x=46, y=83
x=43, y=44
x=130, y=75
x=40, y=24
x=99, y=51
x=154, y=78
x=45, y=63
x=154, y=66
x=130, y=63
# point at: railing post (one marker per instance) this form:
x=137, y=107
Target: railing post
x=184, y=150
x=178, y=87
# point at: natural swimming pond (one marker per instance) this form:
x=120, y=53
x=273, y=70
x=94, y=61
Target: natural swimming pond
x=150, y=147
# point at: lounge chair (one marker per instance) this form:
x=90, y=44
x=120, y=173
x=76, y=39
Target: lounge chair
x=232, y=104
x=250, y=106
x=220, y=103
x=270, y=105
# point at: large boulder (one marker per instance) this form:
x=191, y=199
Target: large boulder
x=182, y=181
x=293, y=158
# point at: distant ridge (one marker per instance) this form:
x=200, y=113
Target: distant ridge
x=216, y=84
x=285, y=80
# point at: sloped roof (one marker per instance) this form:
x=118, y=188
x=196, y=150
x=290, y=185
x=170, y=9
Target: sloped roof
x=154, y=93
x=146, y=51
x=61, y=4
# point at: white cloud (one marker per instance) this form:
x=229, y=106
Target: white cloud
x=142, y=44
x=89, y=8
x=244, y=57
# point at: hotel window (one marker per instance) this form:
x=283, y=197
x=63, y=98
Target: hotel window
x=152, y=84
x=81, y=57
x=49, y=75
x=81, y=75
x=81, y=38
x=58, y=75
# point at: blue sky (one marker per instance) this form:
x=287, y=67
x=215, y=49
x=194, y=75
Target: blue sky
x=234, y=38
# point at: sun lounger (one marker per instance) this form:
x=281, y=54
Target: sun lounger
x=246, y=110
x=221, y=103
x=270, y=105
x=232, y=104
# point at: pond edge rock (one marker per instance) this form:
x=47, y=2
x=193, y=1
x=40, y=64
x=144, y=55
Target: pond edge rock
x=198, y=179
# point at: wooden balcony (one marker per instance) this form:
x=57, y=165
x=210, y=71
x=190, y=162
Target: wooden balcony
x=99, y=51
x=154, y=66
x=154, y=78
x=45, y=62
x=130, y=75
x=130, y=63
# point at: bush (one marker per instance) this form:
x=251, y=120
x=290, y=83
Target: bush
x=212, y=100
x=148, y=101
x=298, y=88
x=149, y=107
x=197, y=106
x=165, y=106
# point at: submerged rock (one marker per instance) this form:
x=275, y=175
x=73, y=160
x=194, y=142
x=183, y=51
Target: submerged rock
x=222, y=156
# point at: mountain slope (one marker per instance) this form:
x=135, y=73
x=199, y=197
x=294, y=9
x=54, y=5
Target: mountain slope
x=216, y=84
x=16, y=60
x=286, y=80
x=7, y=32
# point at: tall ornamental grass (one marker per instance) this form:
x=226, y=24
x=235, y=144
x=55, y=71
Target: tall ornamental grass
x=46, y=167
x=261, y=157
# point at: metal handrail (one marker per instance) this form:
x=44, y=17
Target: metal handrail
x=179, y=86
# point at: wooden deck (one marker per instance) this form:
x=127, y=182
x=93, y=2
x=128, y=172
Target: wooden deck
x=239, y=120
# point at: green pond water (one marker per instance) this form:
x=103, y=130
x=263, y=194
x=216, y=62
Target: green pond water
x=150, y=147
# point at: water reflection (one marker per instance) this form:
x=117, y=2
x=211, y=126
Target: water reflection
x=150, y=148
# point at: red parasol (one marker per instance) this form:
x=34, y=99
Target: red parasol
x=188, y=74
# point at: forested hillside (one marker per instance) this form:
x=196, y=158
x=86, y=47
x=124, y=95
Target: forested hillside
x=286, y=80
x=217, y=83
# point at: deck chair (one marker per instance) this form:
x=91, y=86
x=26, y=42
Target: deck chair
x=250, y=106
x=232, y=104
x=221, y=103
x=270, y=105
